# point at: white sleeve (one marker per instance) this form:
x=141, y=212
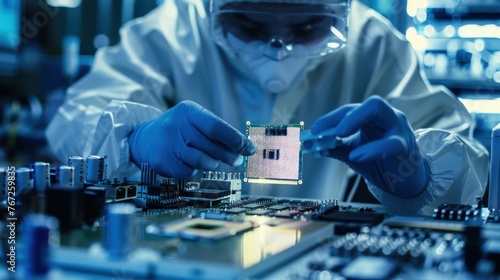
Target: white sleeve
x=458, y=173
x=458, y=164
x=124, y=89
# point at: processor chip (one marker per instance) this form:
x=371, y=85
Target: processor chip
x=278, y=157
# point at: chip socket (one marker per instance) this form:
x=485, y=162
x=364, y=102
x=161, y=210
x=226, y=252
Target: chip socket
x=278, y=157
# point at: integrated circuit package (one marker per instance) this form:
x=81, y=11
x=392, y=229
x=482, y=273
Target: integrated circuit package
x=278, y=157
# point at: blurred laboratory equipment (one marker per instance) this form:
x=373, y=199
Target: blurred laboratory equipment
x=458, y=42
x=45, y=46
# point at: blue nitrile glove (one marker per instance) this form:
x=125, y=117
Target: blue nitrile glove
x=378, y=144
x=186, y=138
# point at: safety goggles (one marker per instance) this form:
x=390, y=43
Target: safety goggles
x=279, y=30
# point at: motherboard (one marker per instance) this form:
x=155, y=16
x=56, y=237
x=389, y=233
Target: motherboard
x=74, y=223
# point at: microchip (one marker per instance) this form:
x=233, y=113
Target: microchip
x=279, y=207
x=252, y=206
x=237, y=210
x=278, y=159
x=271, y=154
x=259, y=212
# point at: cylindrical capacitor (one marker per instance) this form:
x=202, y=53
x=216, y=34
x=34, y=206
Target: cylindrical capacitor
x=23, y=180
x=3, y=183
x=78, y=163
x=118, y=230
x=65, y=176
x=39, y=233
x=41, y=175
x=95, y=169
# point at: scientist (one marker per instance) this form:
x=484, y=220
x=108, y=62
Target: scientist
x=178, y=88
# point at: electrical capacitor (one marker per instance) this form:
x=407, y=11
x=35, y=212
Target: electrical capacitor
x=65, y=176
x=78, y=163
x=118, y=230
x=23, y=180
x=94, y=169
x=3, y=184
x=39, y=232
x=41, y=175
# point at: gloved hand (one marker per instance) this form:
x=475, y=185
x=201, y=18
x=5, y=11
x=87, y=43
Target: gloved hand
x=379, y=144
x=186, y=138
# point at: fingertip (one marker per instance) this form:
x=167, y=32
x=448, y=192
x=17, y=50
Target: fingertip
x=213, y=165
x=183, y=171
x=249, y=148
x=238, y=161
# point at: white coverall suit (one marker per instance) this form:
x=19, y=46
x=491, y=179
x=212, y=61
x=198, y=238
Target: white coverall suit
x=169, y=56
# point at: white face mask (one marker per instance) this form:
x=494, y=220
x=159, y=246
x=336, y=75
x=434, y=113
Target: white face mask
x=273, y=76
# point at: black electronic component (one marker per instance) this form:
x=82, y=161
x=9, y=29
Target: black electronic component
x=3, y=183
x=306, y=207
x=173, y=203
x=237, y=210
x=276, y=130
x=286, y=214
x=163, y=191
x=215, y=215
x=473, y=243
x=343, y=228
x=252, y=206
x=222, y=181
x=456, y=212
x=217, y=184
x=66, y=204
x=494, y=218
x=120, y=193
x=279, y=207
x=205, y=193
x=271, y=154
x=131, y=191
x=491, y=251
x=354, y=217
x=94, y=202
x=259, y=212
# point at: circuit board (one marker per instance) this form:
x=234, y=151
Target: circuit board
x=166, y=228
x=244, y=238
